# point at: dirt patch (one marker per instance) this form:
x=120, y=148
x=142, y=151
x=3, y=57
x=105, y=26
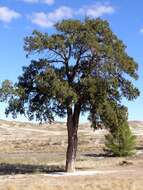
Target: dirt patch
x=29, y=153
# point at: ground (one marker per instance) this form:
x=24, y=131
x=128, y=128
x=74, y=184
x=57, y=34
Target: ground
x=32, y=157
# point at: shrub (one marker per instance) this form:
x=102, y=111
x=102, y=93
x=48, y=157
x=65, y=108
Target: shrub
x=121, y=142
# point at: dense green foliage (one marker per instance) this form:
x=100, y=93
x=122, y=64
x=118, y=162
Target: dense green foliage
x=82, y=65
x=122, y=142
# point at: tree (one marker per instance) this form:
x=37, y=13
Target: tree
x=82, y=67
x=121, y=142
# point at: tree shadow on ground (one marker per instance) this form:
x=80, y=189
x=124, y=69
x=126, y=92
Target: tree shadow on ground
x=108, y=154
x=9, y=169
x=139, y=148
x=100, y=155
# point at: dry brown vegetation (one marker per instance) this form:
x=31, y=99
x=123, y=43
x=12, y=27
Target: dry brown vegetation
x=29, y=153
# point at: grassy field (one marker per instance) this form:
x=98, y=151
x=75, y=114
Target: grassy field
x=30, y=153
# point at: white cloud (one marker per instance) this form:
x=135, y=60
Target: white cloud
x=30, y=1
x=49, y=2
x=141, y=30
x=41, y=19
x=96, y=10
x=48, y=20
x=7, y=15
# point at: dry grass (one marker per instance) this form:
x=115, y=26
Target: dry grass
x=118, y=182
x=27, y=151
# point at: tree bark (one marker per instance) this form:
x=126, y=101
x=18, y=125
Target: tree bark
x=71, y=150
x=72, y=128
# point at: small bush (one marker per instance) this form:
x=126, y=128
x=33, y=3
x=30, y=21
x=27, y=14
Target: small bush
x=121, y=142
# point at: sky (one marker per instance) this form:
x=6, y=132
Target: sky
x=18, y=18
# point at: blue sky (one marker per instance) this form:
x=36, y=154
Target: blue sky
x=19, y=17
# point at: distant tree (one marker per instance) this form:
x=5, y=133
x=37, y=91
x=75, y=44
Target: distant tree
x=122, y=142
x=83, y=67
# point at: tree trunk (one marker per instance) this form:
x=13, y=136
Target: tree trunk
x=71, y=151
x=72, y=127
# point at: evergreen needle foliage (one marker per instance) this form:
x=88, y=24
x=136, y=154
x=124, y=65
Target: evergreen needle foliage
x=82, y=67
x=122, y=141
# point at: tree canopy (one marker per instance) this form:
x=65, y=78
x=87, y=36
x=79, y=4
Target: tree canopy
x=82, y=62
x=82, y=67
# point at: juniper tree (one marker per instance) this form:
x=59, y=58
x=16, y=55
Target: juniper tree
x=82, y=67
x=122, y=142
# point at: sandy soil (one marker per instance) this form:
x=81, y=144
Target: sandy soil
x=32, y=157
x=123, y=180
